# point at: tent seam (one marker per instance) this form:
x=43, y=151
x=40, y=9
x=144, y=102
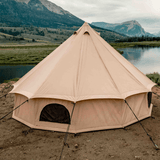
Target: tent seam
x=106, y=67
x=50, y=72
x=124, y=66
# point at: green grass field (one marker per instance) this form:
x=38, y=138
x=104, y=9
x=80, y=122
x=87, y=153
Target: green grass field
x=25, y=54
x=15, y=55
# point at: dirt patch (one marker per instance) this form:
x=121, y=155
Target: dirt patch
x=19, y=142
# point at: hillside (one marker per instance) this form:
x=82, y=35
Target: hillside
x=129, y=28
x=18, y=13
x=50, y=6
x=54, y=35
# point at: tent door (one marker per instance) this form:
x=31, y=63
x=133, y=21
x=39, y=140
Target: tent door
x=55, y=113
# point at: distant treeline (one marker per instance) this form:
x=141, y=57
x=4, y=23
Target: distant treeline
x=138, y=39
x=61, y=32
x=10, y=32
x=35, y=31
x=15, y=32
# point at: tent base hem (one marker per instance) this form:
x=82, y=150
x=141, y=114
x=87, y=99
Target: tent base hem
x=37, y=126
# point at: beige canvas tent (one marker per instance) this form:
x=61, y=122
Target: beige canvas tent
x=87, y=71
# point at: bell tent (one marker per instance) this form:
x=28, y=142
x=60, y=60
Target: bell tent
x=84, y=83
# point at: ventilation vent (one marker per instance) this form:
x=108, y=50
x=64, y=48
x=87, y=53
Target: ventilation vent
x=76, y=32
x=86, y=32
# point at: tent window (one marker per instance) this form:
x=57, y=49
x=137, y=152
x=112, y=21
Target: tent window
x=149, y=98
x=55, y=113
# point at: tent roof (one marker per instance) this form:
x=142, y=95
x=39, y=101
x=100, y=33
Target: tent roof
x=83, y=67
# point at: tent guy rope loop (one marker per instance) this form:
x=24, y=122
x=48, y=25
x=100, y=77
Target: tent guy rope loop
x=157, y=148
x=66, y=135
x=13, y=110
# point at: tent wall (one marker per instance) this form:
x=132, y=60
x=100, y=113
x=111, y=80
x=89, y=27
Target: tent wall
x=26, y=112
x=89, y=115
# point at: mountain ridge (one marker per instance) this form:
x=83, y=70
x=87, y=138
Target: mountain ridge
x=129, y=28
x=16, y=13
x=50, y=6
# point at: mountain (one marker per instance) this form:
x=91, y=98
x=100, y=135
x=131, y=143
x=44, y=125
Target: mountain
x=40, y=13
x=129, y=28
x=50, y=6
x=44, y=14
x=105, y=25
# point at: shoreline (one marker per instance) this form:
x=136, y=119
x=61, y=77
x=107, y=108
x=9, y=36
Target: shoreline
x=135, y=44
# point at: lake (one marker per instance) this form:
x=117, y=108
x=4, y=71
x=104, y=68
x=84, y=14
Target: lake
x=146, y=59
x=10, y=72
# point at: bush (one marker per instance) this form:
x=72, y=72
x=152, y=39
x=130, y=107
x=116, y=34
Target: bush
x=14, y=79
x=155, y=77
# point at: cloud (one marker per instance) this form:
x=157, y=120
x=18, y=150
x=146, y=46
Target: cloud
x=115, y=11
x=151, y=24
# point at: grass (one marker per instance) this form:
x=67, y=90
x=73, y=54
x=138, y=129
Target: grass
x=136, y=44
x=27, y=45
x=15, y=55
x=14, y=79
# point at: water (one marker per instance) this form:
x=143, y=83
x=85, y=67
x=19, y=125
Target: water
x=146, y=59
x=10, y=72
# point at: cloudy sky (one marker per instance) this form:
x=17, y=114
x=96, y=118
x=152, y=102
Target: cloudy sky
x=146, y=12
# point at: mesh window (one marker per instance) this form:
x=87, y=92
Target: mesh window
x=55, y=113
